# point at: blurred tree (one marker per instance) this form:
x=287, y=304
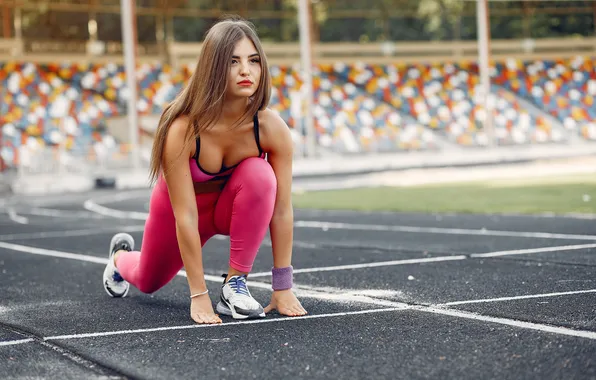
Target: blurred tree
x=334, y=20
x=444, y=17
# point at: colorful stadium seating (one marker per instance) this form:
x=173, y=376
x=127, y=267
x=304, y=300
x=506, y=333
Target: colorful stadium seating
x=358, y=108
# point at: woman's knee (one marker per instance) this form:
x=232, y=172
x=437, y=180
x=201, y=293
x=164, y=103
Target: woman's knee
x=257, y=176
x=149, y=286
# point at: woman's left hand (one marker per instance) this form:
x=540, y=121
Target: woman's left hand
x=286, y=303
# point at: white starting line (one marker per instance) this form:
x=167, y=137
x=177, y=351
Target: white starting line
x=323, y=293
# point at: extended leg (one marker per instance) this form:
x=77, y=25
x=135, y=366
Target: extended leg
x=159, y=259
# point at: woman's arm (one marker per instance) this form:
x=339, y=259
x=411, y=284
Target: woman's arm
x=176, y=167
x=280, y=158
x=279, y=147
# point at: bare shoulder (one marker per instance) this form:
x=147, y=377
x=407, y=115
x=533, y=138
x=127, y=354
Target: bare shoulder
x=179, y=127
x=176, y=136
x=275, y=133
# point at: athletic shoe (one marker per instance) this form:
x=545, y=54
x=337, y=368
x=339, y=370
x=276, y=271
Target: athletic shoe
x=113, y=283
x=236, y=300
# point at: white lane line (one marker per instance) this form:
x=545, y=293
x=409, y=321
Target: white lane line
x=15, y=342
x=398, y=307
x=529, y=296
x=99, y=260
x=52, y=253
x=369, y=265
x=436, y=309
x=40, y=211
x=534, y=250
x=93, y=205
x=325, y=294
x=196, y=326
x=511, y=322
x=436, y=230
x=84, y=232
x=250, y=322
x=435, y=259
x=12, y=214
x=350, y=296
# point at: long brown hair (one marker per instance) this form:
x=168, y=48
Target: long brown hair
x=202, y=99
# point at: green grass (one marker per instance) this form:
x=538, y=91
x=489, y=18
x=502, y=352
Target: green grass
x=574, y=194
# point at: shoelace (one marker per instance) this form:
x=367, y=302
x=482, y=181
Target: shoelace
x=238, y=285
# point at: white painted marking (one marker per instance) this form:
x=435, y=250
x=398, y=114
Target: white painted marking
x=369, y=265
x=393, y=306
x=250, y=322
x=84, y=232
x=436, y=230
x=17, y=218
x=511, y=322
x=92, y=206
x=295, y=243
x=52, y=253
x=399, y=307
x=61, y=213
x=99, y=260
x=535, y=250
x=15, y=342
x=500, y=299
x=435, y=259
x=219, y=279
x=325, y=294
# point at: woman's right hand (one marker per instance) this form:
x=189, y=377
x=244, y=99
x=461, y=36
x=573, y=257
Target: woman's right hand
x=201, y=310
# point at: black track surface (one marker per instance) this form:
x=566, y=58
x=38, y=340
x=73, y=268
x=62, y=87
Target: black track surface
x=51, y=300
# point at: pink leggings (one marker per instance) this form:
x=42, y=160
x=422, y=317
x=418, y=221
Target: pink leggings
x=242, y=210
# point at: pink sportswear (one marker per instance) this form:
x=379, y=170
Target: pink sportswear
x=242, y=210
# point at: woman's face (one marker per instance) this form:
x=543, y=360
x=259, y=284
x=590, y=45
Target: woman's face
x=245, y=70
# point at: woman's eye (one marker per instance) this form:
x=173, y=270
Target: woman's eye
x=256, y=60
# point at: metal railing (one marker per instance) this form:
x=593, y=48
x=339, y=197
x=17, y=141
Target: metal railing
x=179, y=53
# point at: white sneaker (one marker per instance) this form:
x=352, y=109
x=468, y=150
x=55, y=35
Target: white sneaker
x=236, y=300
x=113, y=283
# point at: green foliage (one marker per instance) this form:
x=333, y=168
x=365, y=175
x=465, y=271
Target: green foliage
x=335, y=20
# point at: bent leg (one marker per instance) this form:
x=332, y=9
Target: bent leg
x=244, y=210
x=159, y=259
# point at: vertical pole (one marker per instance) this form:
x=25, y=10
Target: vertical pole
x=129, y=45
x=594, y=15
x=6, y=31
x=18, y=31
x=306, y=63
x=483, y=60
x=92, y=29
x=92, y=24
x=160, y=35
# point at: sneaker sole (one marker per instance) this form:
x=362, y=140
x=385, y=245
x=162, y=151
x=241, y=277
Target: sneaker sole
x=115, y=295
x=226, y=310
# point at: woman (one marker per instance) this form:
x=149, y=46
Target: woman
x=208, y=162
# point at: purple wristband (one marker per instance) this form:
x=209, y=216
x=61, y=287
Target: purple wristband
x=281, y=278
